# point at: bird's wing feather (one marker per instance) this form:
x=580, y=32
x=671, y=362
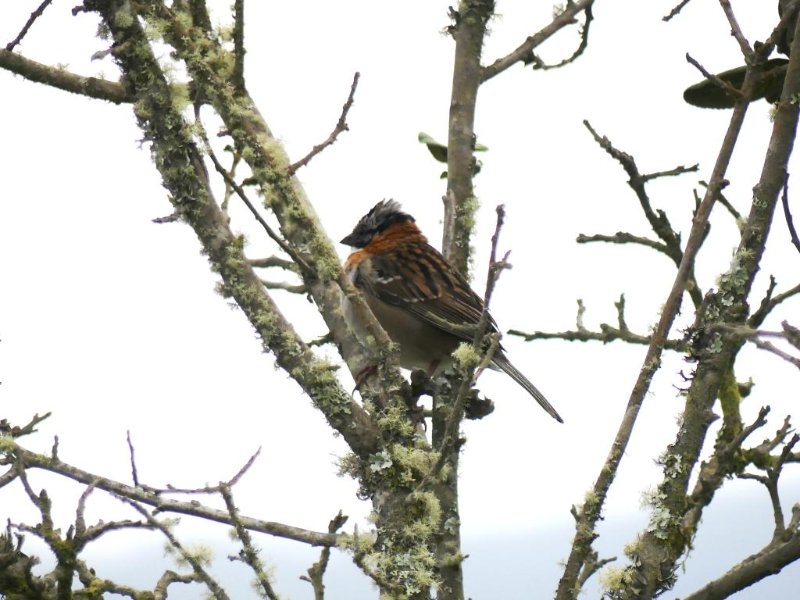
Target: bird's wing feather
x=419, y=280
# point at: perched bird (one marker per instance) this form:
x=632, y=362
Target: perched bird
x=422, y=302
x=707, y=94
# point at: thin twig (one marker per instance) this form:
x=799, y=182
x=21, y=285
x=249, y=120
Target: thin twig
x=456, y=410
x=34, y=15
x=674, y=12
x=674, y=172
x=273, y=261
x=623, y=237
x=723, y=200
x=193, y=561
x=243, y=196
x=769, y=303
x=539, y=64
x=146, y=495
x=608, y=333
x=788, y=214
x=341, y=125
x=249, y=553
x=316, y=572
x=286, y=286
x=658, y=220
x=736, y=31
x=15, y=431
x=754, y=336
x=525, y=50
x=134, y=472
x=213, y=489
x=730, y=90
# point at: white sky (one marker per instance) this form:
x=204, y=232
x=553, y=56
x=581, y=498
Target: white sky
x=112, y=322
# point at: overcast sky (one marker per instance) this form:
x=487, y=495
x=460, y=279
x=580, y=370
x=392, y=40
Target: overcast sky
x=112, y=322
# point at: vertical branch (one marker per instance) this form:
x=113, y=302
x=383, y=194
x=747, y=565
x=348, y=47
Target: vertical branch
x=459, y=202
x=590, y=511
x=459, y=209
x=657, y=550
x=238, y=43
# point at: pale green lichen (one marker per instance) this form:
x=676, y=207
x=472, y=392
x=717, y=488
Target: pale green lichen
x=123, y=18
x=466, y=356
x=716, y=343
x=413, y=463
x=411, y=569
x=195, y=552
x=735, y=279
x=328, y=266
x=7, y=443
x=632, y=550
x=662, y=521
x=613, y=579
x=393, y=419
x=380, y=461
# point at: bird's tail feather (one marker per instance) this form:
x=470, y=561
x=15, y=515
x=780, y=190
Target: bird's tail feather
x=503, y=363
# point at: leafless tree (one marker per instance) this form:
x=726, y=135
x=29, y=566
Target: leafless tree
x=406, y=459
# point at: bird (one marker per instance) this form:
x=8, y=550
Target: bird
x=422, y=302
x=707, y=94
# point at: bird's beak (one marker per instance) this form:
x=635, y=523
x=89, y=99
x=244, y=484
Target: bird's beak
x=347, y=240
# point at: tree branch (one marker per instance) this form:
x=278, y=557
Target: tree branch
x=460, y=203
x=34, y=15
x=28, y=460
x=590, y=511
x=658, y=220
x=525, y=50
x=92, y=87
x=341, y=125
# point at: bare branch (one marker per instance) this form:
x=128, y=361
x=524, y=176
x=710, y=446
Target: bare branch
x=623, y=237
x=674, y=172
x=34, y=15
x=167, y=579
x=723, y=200
x=591, y=510
x=727, y=88
x=658, y=548
x=144, y=495
x=769, y=560
x=273, y=261
x=460, y=203
x=538, y=63
x=676, y=10
x=341, y=125
x=608, y=333
x=658, y=220
x=134, y=472
x=211, y=489
x=737, y=32
x=283, y=285
x=15, y=431
x=787, y=213
x=524, y=51
x=754, y=336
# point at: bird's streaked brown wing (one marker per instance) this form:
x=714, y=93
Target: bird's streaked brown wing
x=417, y=278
